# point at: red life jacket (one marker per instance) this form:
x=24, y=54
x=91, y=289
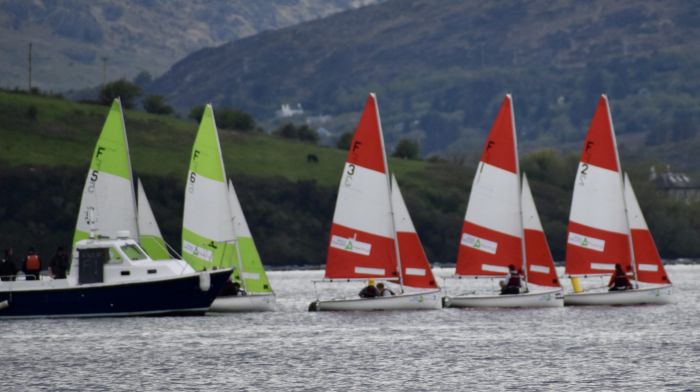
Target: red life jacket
x=514, y=281
x=33, y=263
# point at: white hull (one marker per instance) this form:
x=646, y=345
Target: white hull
x=646, y=295
x=244, y=303
x=538, y=299
x=411, y=301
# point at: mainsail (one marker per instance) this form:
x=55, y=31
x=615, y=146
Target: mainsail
x=650, y=268
x=414, y=263
x=540, y=264
x=598, y=231
x=207, y=232
x=249, y=268
x=150, y=238
x=108, y=203
x=361, y=242
x=491, y=237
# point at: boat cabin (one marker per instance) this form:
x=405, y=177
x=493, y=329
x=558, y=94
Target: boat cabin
x=117, y=261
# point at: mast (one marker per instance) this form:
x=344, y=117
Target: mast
x=388, y=184
x=622, y=182
x=128, y=162
x=520, y=189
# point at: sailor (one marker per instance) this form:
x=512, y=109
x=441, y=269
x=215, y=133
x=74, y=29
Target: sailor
x=512, y=282
x=32, y=264
x=232, y=288
x=370, y=291
x=619, y=280
x=8, y=269
x=384, y=291
x=59, y=264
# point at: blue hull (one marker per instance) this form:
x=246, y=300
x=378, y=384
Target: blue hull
x=176, y=296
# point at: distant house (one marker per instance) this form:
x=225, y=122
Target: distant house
x=286, y=110
x=676, y=185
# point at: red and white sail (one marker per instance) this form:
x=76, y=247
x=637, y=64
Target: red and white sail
x=598, y=232
x=414, y=263
x=540, y=265
x=361, y=242
x=650, y=269
x=491, y=237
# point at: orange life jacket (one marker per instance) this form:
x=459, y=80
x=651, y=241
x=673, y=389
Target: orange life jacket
x=33, y=263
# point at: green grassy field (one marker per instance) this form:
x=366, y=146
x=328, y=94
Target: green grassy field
x=63, y=133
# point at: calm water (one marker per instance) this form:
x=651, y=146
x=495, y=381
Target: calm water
x=649, y=348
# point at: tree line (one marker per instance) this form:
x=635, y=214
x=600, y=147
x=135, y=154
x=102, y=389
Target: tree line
x=290, y=220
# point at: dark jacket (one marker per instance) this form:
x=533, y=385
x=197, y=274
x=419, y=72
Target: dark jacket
x=369, y=292
x=59, y=265
x=8, y=269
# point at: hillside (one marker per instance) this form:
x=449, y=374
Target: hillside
x=70, y=38
x=440, y=69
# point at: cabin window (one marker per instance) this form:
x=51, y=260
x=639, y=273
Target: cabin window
x=114, y=256
x=133, y=252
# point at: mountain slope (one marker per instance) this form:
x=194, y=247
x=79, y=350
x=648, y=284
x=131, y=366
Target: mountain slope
x=440, y=69
x=70, y=38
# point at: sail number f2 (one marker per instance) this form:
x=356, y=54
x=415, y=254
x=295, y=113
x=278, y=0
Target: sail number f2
x=583, y=172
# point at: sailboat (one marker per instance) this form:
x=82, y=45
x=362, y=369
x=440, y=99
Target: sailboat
x=249, y=273
x=603, y=210
x=372, y=235
x=150, y=238
x=492, y=234
x=209, y=240
x=110, y=274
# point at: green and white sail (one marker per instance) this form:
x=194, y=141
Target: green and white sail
x=149, y=233
x=249, y=272
x=207, y=232
x=108, y=204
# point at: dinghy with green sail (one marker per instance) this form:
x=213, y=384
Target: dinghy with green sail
x=208, y=237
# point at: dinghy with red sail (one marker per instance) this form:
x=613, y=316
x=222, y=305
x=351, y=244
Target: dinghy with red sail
x=363, y=238
x=599, y=235
x=492, y=233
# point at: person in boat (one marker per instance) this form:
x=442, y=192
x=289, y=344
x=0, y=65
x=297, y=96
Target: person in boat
x=59, y=264
x=619, y=280
x=370, y=291
x=232, y=288
x=384, y=291
x=512, y=282
x=32, y=264
x=8, y=269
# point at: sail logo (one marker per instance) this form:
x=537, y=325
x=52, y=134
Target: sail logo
x=351, y=245
x=198, y=252
x=477, y=243
x=586, y=242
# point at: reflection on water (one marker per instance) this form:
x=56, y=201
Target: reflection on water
x=594, y=348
